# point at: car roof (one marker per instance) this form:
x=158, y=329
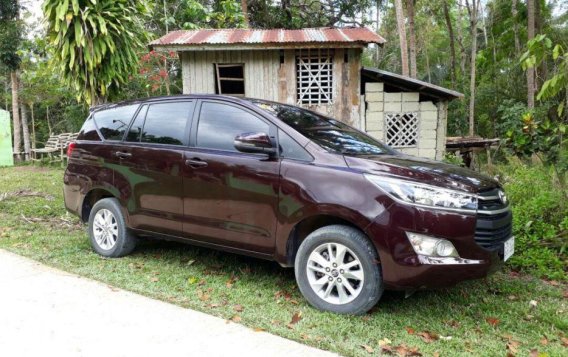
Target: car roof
x=166, y=98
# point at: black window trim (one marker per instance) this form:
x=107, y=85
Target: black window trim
x=273, y=129
x=188, y=124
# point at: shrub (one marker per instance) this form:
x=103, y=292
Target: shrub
x=540, y=219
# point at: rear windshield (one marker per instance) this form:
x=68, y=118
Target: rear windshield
x=328, y=133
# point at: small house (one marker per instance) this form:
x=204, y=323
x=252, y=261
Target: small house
x=319, y=69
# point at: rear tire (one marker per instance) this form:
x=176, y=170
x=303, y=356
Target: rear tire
x=107, y=230
x=337, y=270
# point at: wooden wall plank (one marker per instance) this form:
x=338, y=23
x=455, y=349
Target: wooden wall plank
x=266, y=78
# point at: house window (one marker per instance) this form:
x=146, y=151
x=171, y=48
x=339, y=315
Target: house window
x=402, y=129
x=230, y=79
x=314, y=79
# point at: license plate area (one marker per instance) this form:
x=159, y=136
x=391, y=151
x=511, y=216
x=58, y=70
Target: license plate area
x=508, y=248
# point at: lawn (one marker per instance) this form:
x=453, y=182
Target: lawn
x=505, y=313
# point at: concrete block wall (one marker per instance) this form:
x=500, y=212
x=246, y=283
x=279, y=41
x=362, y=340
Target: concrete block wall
x=431, y=119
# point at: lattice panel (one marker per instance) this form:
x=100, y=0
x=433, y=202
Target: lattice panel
x=314, y=76
x=402, y=129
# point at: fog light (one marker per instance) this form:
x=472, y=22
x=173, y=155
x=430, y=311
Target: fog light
x=430, y=246
x=445, y=249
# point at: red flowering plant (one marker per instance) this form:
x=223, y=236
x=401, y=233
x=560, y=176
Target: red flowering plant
x=155, y=68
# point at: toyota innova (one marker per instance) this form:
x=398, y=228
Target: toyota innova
x=278, y=182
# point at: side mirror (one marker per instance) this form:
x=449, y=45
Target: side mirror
x=254, y=143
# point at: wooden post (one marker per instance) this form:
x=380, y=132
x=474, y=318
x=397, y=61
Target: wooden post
x=488, y=151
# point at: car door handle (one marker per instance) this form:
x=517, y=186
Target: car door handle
x=195, y=163
x=122, y=155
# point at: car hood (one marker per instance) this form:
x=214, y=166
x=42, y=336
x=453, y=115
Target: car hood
x=422, y=170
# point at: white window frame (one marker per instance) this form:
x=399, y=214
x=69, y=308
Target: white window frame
x=314, y=76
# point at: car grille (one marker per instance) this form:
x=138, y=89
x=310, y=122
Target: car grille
x=494, y=221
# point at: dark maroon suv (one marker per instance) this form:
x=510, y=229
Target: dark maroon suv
x=283, y=183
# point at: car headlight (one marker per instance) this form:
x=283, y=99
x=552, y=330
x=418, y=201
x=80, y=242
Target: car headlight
x=424, y=195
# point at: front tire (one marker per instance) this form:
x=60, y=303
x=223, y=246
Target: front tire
x=107, y=230
x=337, y=270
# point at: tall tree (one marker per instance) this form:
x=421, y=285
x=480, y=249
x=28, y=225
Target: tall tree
x=514, y=14
x=401, y=26
x=244, y=7
x=531, y=89
x=10, y=38
x=95, y=43
x=450, y=27
x=461, y=40
x=411, y=37
x=472, y=11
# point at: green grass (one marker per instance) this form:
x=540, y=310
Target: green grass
x=223, y=284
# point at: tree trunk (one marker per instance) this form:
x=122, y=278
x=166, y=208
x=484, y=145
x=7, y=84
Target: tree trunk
x=514, y=13
x=473, y=28
x=377, y=47
x=463, y=56
x=412, y=37
x=286, y=7
x=530, y=71
x=25, y=131
x=402, y=36
x=244, y=7
x=541, y=72
x=33, y=126
x=48, y=122
x=484, y=26
x=452, y=43
x=16, y=116
x=428, y=65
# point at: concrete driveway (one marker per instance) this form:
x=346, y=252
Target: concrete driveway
x=47, y=312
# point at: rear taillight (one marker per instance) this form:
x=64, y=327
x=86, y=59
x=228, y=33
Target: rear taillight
x=70, y=148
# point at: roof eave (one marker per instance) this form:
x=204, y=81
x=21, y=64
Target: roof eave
x=418, y=85
x=259, y=46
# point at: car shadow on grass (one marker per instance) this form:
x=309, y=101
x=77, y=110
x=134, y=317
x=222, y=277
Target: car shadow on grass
x=250, y=268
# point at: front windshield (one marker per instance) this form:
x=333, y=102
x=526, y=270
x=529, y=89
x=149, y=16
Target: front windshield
x=328, y=133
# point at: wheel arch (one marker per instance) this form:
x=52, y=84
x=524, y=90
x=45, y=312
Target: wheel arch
x=92, y=197
x=304, y=227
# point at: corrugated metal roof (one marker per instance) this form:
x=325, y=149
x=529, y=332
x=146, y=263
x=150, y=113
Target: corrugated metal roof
x=237, y=37
x=409, y=84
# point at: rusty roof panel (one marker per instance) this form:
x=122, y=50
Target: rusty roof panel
x=229, y=37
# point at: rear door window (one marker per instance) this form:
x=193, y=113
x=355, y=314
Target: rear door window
x=135, y=131
x=219, y=124
x=166, y=123
x=112, y=123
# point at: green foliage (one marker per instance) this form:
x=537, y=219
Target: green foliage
x=500, y=78
x=540, y=219
x=10, y=34
x=541, y=49
x=224, y=14
x=294, y=14
x=530, y=136
x=95, y=43
x=453, y=158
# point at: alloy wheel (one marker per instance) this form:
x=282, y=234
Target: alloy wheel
x=335, y=273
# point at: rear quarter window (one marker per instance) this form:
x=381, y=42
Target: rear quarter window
x=89, y=130
x=112, y=123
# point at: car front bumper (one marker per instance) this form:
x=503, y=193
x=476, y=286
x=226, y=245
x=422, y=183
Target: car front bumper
x=403, y=269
